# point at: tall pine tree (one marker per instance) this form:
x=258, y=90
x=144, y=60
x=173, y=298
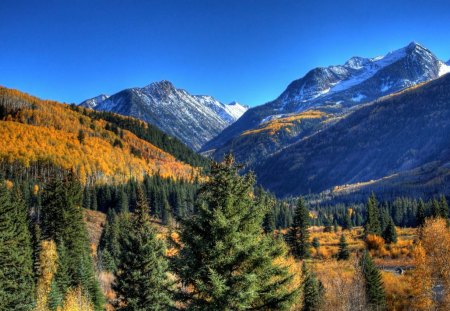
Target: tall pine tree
x=62, y=221
x=226, y=260
x=16, y=262
x=142, y=274
x=313, y=290
x=373, y=225
x=298, y=235
x=375, y=294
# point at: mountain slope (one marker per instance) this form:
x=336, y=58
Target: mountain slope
x=194, y=119
x=334, y=90
x=34, y=132
x=396, y=137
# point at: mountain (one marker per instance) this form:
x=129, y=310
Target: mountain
x=399, y=144
x=194, y=119
x=37, y=134
x=333, y=90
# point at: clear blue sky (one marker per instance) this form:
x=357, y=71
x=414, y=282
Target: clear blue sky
x=244, y=50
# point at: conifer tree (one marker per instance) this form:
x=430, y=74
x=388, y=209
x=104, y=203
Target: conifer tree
x=375, y=294
x=390, y=233
x=347, y=221
x=373, y=225
x=62, y=221
x=298, y=235
x=142, y=274
x=16, y=263
x=343, y=253
x=444, y=208
x=313, y=290
x=435, y=209
x=420, y=216
x=226, y=260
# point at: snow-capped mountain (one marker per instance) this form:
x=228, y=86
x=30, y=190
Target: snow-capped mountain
x=362, y=79
x=93, y=102
x=335, y=89
x=194, y=119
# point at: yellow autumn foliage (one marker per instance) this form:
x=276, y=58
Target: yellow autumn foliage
x=75, y=300
x=47, y=269
x=274, y=126
x=48, y=131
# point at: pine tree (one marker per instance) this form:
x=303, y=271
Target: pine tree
x=16, y=262
x=435, y=209
x=62, y=221
x=444, y=208
x=343, y=253
x=375, y=294
x=420, y=216
x=226, y=260
x=313, y=290
x=347, y=221
x=298, y=235
x=390, y=233
x=142, y=274
x=373, y=225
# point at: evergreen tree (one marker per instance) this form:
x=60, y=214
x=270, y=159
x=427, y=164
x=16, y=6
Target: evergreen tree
x=373, y=225
x=298, y=235
x=420, y=216
x=62, y=221
x=435, y=208
x=343, y=253
x=390, y=233
x=226, y=260
x=16, y=262
x=347, y=221
x=142, y=274
x=375, y=294
x=444, y=207
x=313, y=290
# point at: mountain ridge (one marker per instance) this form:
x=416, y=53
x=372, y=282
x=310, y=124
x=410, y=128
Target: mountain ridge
x=194, y=119
x=333, y=90
x=398, y=136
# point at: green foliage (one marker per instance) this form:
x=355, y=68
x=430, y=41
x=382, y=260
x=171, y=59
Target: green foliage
x=343, y=253
x=142, y=274
x=313, y=290
x=375, y=294
x=226, y=260
x=390, y=233
x=373, y=225
x=16, y=263
x=62, y=221
x=421, y=214
x=298, y=235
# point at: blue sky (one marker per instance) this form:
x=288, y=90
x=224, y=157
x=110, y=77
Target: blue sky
x=244, y=50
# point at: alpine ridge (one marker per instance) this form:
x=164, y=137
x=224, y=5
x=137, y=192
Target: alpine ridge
x=194, y=119
x=333, y=90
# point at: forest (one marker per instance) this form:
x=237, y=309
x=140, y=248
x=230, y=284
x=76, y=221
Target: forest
x=221, y=243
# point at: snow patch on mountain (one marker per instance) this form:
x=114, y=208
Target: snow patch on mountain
x=444, y=68
x=194, y=119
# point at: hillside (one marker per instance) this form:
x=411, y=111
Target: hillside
x=34, y=130
x=396, y=144
x=334, y=90
x=194, y=119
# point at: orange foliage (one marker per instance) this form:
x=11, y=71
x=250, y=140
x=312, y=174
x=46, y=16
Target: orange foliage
x=48, y=131
x=273, y=126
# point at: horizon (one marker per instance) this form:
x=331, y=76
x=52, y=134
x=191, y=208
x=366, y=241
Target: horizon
x=245, y=52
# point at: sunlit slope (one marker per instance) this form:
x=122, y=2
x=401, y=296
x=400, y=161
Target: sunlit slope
x=33, y=130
